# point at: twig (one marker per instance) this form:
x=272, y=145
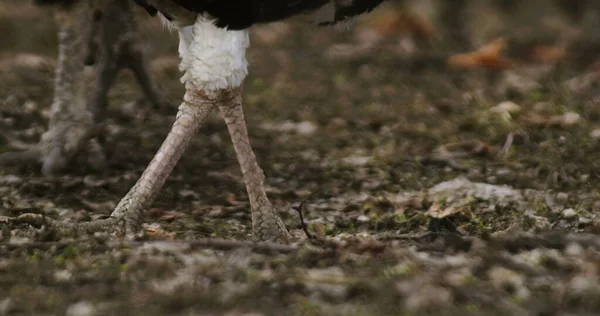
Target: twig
x=407, y=236
x=300, y=209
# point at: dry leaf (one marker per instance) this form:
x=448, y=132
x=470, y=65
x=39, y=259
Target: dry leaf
x=487, y=56
x=319, y=230
x=436, y=211
x=154, y=231
x=156, y=211
x=171, y=215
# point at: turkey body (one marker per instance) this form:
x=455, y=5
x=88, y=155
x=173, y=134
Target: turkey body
x=213, y=38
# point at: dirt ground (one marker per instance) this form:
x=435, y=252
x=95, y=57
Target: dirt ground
x=432, y=190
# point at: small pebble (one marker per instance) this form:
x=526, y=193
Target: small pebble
x=82, y=308
x=188, y=194
x=10, y=179
x=541, y=106
x=562, y=140
x=585, y=220
x=431, y=296
x=507, y=106
x=570, y=118
x=9, y=121
x=562, y=196
x=503, y=172
x=569, y=213
x=6, y=306
x=306, y=128
x=363, y=219
x=356, y=160
x=63, y=276
x=580, y=285
x=30, y=106
x=574, y=249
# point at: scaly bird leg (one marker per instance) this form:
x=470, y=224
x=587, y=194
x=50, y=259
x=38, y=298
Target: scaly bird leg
x=192, y=113
x=266, y=224
x=127, y=217
x=215, y=66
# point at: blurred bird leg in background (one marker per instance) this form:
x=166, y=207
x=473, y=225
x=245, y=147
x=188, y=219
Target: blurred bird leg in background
x=71, y=123
x=112, y=43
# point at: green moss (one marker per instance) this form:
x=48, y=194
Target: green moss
x=398, y=270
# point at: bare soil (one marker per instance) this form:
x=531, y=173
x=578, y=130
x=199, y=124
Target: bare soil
x=433, y=196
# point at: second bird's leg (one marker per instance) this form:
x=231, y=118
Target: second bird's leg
x=108, y=38
x=70, y=123
x=118, y=45
x=266, y=224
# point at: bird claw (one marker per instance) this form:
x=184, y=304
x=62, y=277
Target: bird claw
x=268, y=226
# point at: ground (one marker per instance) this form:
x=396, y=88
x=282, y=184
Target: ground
x=430, y=189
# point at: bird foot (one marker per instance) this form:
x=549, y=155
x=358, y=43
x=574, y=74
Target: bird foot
x=267, y=225
x=125, y=224
x=54, y=158
x=109, y=226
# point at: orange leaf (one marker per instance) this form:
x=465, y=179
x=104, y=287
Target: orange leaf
x=487, y=56
x=436, y=211
x=158, y=233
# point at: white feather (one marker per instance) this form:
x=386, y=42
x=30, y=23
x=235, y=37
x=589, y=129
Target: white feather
x=212, y=58
x=186, y=33
x=186, y=37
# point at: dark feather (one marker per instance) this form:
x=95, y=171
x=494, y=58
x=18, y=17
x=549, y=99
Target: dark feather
x=348, y=9
x=65, y=3
x=144, y=4
x=241, y=14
